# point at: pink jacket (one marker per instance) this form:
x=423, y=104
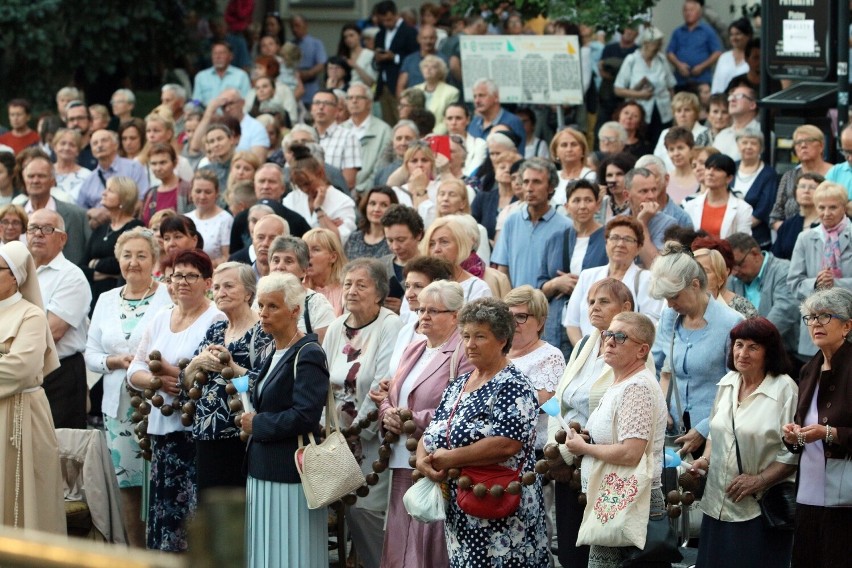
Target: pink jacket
x=430, y=385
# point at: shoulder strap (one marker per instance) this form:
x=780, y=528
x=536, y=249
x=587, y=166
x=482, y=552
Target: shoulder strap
x=582, y=344
x=734, y=428
x=308, y=327
x=673, y=380
x=566, y=251
x=636, y=289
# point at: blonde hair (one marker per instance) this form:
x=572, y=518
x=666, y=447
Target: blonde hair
x=535, y=301
x=142, y=234
x=810, y=131
x=157, y=218
x=830, y=190
x=128, y=193
x=163, y=115
x=686, y=99
x=717, y=265
x=330, y=242
x=462, y=189
x=457, y=233
x=576, y=135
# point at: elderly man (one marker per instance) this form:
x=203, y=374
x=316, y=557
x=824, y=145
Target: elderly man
x=173, y=96
x=341, y=146
x=373, y=133
x=123, y=101
x=77, y=117
x=409, y=72
x=612, y=138
x=247, y=254
x=66, y=297
x=321, y=204
x=742, y=106
x=253, y=136
x=39, y=178
x=694, y=47
x=489, y=113
x=657, y=167
x=21, y=135
x=312, y=64
x=265, y=231
x=761, y=278
x=641, y=185
x=520, y=248
x=210, y=82
x=110, y=164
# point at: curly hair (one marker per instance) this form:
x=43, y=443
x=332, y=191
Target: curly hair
x=495, y=314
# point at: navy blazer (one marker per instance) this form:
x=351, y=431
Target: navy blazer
x=288, y=405
x=404, y=43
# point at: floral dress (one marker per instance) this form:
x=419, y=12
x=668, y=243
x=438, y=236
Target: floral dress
x=504, y=406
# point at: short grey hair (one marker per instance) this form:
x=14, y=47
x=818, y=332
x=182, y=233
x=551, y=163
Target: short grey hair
x=375, y=270
x=544, y=166
x=72, y=93
x=834, y=300
x=305, y=128
x=450, y=294
x=674, y=270
x=495, y=314
x=642, y=328
x=502, y=139
x=492, y=87
x=652, y=160
x=750, y=132
x=284, y=224
x=287, y=285
x=642, y=172
x=616, y=126
x=178, y=90
x=143, y=234
x=408, y=124
x=244, y=273
x=367, y=92
x=127, y=94
x=261, y=207
x=297, y=246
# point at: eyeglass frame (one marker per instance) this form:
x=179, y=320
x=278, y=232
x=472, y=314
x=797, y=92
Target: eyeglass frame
x=33, y=229
x=11, y=222
x=805, y=141
x=521, y=317
x=737, y=96
x=816, y=317
x=431, y=312
x=176, y=278
x=606, y=335
x=615, y=239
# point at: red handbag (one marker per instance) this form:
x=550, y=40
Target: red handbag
x=488, y=506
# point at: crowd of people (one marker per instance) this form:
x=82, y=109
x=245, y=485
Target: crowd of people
x=361, y=242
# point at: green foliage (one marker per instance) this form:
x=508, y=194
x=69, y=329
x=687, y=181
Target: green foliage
x=45, y=44
x=599, y=14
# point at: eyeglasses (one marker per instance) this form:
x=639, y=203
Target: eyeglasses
x=11, y=223
x=739, y=96
x=618, y=336
x=739, y=263
x=521, y=317
x=357, y=98
x=178, y=277
x=324, y=103
x=615, y=239
x=804, y=141
x=431, y=312
x=607, y=139
x=45, y=229
x=821, y=319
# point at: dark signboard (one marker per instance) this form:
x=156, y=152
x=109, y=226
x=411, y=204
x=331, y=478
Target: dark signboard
x=800, y=39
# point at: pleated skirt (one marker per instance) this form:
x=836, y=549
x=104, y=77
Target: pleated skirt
x=281, y=532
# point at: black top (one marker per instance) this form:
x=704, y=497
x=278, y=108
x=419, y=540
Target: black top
x=240, y=237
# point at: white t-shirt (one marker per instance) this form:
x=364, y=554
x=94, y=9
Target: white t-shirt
x=579, y=254
x=337, y=205
x=216, y=231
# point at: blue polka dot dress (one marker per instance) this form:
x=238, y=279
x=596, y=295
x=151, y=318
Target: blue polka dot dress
x=504, y=406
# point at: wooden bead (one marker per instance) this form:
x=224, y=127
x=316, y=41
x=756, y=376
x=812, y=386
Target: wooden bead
x=405, y=414
x=364, y=423
x=412, y=460
x=453, y=473
x=465, y=482
x=528, y=478
x=350, y=499
x=182, y=363
x=155, y=366
x=146, y=455
x=186, y=419
x=373, y=415
x=156, y=383
x=224, y=357
x=480, y=490
x=551, y=451
x=194, y=393
x=227, y=374
x=136, y=416
x=238, y=420
x=411, y=444
x=391, y=438
x=673, y=497
x=372, y=478
x=379, y=466
x=542, y=467
x=142, y=429
x=497, y=491
x=235, y=405
x=581, y=499
x=574, y=425
x=362, y=491
x=688, y=498
x=354, y=429
x=409, y=426
x=416, y=475
x=157, y=400
x=674, y=511
x=687, y=482
x=513, y=488
x=144, y=409
x=201, y=378
x=189, y=407
x=561, y=436
x=149, y=393
x=230, y=389
x=244, y=436
x=155, y=355
x=135, y=401
x=145, y=443
x=167, y=410
x=384, y=452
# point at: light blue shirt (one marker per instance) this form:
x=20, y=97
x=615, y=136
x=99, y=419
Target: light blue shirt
x=657, y=227
x=842, y=174
x=253, y=133
x=674, y=210
x=93, y=186
x=700, y=359
x=521, y=244
x=752, y=289
x=208, y=83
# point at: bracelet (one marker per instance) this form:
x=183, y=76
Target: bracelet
x=829, y=435
x=800, y=440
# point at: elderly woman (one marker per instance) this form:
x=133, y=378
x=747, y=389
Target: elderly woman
x=457, y=119
x=585, y=380
x=569, y=149
x=160, y=129
x=809, y=145
x=635, y=404
x=717, y=261
x=359, y=345
x=426, y=368
x=176, y=334
x=243, y=167
x=807, y=218
x=693, y=336
x=218, y=448
x=404, y=133
x=439, y=94
x=13, y=219
x=120, y=318
x=487, y=418
x=69, y=174
x=757, y=182
x=34, y=489
x=102, y=267
x=822, y=257
x=179, y=233
x=369, y=239
x=718, y=211
x=290, y=255
x=213, y=223
x=131, y=138
x=447, y=238
x=624, y=237
x=171, y=192
x=819, y=433
x=754, y=401
x=646, y=77
x=631, y=117
x=325, y=266
x=686, y=109
x=288, y=397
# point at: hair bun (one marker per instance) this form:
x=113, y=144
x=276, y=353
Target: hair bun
x=673, y=247
x=300, y=151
